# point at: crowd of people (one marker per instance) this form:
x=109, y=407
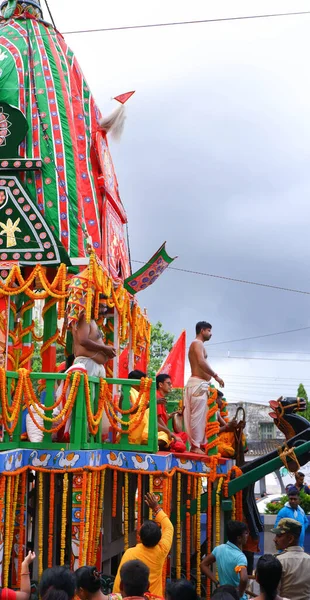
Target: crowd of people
x=140, y=576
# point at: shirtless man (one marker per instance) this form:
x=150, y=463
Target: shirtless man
x=196, y=391
x=88, y=346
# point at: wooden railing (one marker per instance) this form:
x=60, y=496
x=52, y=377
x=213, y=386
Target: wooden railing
x=44, y=386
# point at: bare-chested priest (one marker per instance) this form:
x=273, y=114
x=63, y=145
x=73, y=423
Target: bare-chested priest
x=88, y=346
x=196, y=391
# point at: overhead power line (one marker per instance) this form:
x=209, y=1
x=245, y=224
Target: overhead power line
x=194, y=22
x=265, y=285
x=256, y=337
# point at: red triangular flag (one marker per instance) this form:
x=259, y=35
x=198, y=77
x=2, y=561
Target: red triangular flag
x=174, y=364
x=141, y=362
x=122, y=98
x=123, y=364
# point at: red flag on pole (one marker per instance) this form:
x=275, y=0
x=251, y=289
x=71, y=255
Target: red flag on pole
x=122, y=98
x=174, y=364
x=123, y=363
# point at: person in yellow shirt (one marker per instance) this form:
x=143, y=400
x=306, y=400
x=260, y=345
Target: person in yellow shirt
x=156, y=541
x=135, y=437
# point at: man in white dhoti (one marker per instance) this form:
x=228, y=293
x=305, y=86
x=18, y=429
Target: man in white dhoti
x=196, y=390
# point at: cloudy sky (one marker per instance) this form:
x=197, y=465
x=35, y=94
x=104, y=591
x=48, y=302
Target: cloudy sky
x=214, y=159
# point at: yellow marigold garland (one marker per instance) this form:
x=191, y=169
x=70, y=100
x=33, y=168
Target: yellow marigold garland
x=85, y=541
x=151, y=492
x=82, y=518
x=218, y=512
x=64, y=519
x=21, y=522
x=40, y=524
x=6, y=551
x=51, y=521
x=178, y=528
x=99, y=517
x=126, y=522
x=198, y=541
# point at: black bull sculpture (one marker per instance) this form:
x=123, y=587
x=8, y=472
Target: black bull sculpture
x=297, y=431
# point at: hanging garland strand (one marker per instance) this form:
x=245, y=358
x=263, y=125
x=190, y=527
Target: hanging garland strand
x=82, y=519
x=21, y=523
x=126, y=522
x=100, y=515
x=51, y=522
x=188, y=528
x=40, y=525
x=198, y=550
x=64, y=519
x=178, y=529
x=6, y=557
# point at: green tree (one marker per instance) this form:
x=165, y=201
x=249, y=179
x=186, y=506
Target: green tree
x=161, y=344
x=301, y=393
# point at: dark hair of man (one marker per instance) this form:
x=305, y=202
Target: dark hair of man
x=301, y=474
x=161, y=378
x=88, y=579
x=181, y=590
x=293, y=491
x=225, y=592
x=136, y=374
x=234, y=529
x=150, y=534
x=220, y=394
x=268, y=574
x=134, y=576
x=202, y=325
x=57, y=583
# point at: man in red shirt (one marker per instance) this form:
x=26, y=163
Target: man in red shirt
x=166, y=438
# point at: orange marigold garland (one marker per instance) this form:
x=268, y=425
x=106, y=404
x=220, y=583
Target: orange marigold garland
x=2, y=510
x=114, y=493
x=126, y=522
x=237, y=512
x=51, y=521
x=13, y=520
x=6, y=551
x=198, y=549
x=100, y=515
x=209, y=529
x=139, y=502
x=218, y=512
x=21, y=523
x=151, y=491
x=40, y=524
x=188, y=528
x=178, y=528
x=93, y=517
x=213, y=426
x=64, y=519
x=82, y=518
x=85, y=541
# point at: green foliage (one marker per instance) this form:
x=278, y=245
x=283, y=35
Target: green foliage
x=36, y=362
x=301, y=393
x=161, y=344
x=272, y=508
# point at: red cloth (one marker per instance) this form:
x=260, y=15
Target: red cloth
x=7, y=594
x=174, y=364
x=161, y=412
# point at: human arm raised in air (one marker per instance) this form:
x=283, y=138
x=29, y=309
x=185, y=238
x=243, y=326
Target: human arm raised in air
x=25, y=585
x=205, y=567
x=163, y=520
